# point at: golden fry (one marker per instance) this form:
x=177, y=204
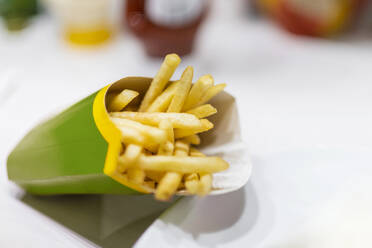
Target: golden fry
x=161, y=103
x=182, y=91
x=169, y=183
x=182, y=164
x=167, y=126
x=130, y=156
x=133, y=136
x=168, y=186
x=203, y=111
x=211, y=92
x=206, y=125
x=121, y=100
x=192, y=139
x=161, y=79
x=178, y=120
x=136, y=175
x=196, y=153
x=205, y=184
x=192, y=183
x=197, y=91
x=154, y=135
x=132, y=153
x=166, y=148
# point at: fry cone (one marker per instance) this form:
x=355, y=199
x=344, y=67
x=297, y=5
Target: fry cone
x=75, y=151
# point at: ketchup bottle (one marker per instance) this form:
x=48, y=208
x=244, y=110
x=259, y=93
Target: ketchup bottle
x=166, y=26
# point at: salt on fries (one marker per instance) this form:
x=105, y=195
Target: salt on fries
x=159, y=136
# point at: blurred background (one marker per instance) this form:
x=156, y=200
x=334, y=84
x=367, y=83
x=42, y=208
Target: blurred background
x=70, y=48
x=300, y=71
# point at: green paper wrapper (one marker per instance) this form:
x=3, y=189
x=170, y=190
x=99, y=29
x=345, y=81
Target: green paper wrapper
x=71, y=152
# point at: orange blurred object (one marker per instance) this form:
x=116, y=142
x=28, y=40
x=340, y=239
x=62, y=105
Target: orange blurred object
x=166, y=26
x=319, y=18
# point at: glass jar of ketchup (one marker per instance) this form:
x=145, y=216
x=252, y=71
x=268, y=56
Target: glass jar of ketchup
x=166, y=26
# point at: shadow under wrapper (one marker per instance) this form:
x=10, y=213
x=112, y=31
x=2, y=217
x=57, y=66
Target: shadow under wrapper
x=214, y=214
x=106, y=220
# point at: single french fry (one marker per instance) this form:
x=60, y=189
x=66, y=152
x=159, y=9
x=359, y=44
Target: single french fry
x=161, y=103
x=196, y=153
x=171, y=180
x=122, y=99
x=206, y=125
x=203, y=111
x=182, y=165
x=192, y=183
x=211, y=92
x=130, y=156
x=192, y=139
x=168, y=186
x=205, y=184
x=197, y=91
x=121, y=165
x=166, y=149
x=154, y=135
x=136, y=175
x=167, y=126
x=182, y=91
x=161, y=79
x=191, y=180
x=132, y=153
x=178, y=120
x=133, y=136
x=181, y=148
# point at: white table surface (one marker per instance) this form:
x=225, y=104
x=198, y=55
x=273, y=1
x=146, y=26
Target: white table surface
x=305, y=112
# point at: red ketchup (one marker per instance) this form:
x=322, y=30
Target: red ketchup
x=166, y=26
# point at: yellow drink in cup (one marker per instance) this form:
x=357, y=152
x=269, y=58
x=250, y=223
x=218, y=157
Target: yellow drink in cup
x=84, y=22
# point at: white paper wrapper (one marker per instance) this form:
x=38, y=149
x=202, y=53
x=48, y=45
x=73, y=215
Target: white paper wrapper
x=224, y=140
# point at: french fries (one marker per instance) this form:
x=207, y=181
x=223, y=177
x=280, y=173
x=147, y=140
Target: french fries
x=161, y=79
x=178, y=120
x=162, y=102
x=169, y=183
x=183, y=164
x=205, y=126
x=205, y=183
x=158, y=141
x=152, y=134
x=197, y=91
x=192, y=139
x=182, y=90
x=211, y=92
x=192, y=183
x=203, y=111
x=121, y=100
